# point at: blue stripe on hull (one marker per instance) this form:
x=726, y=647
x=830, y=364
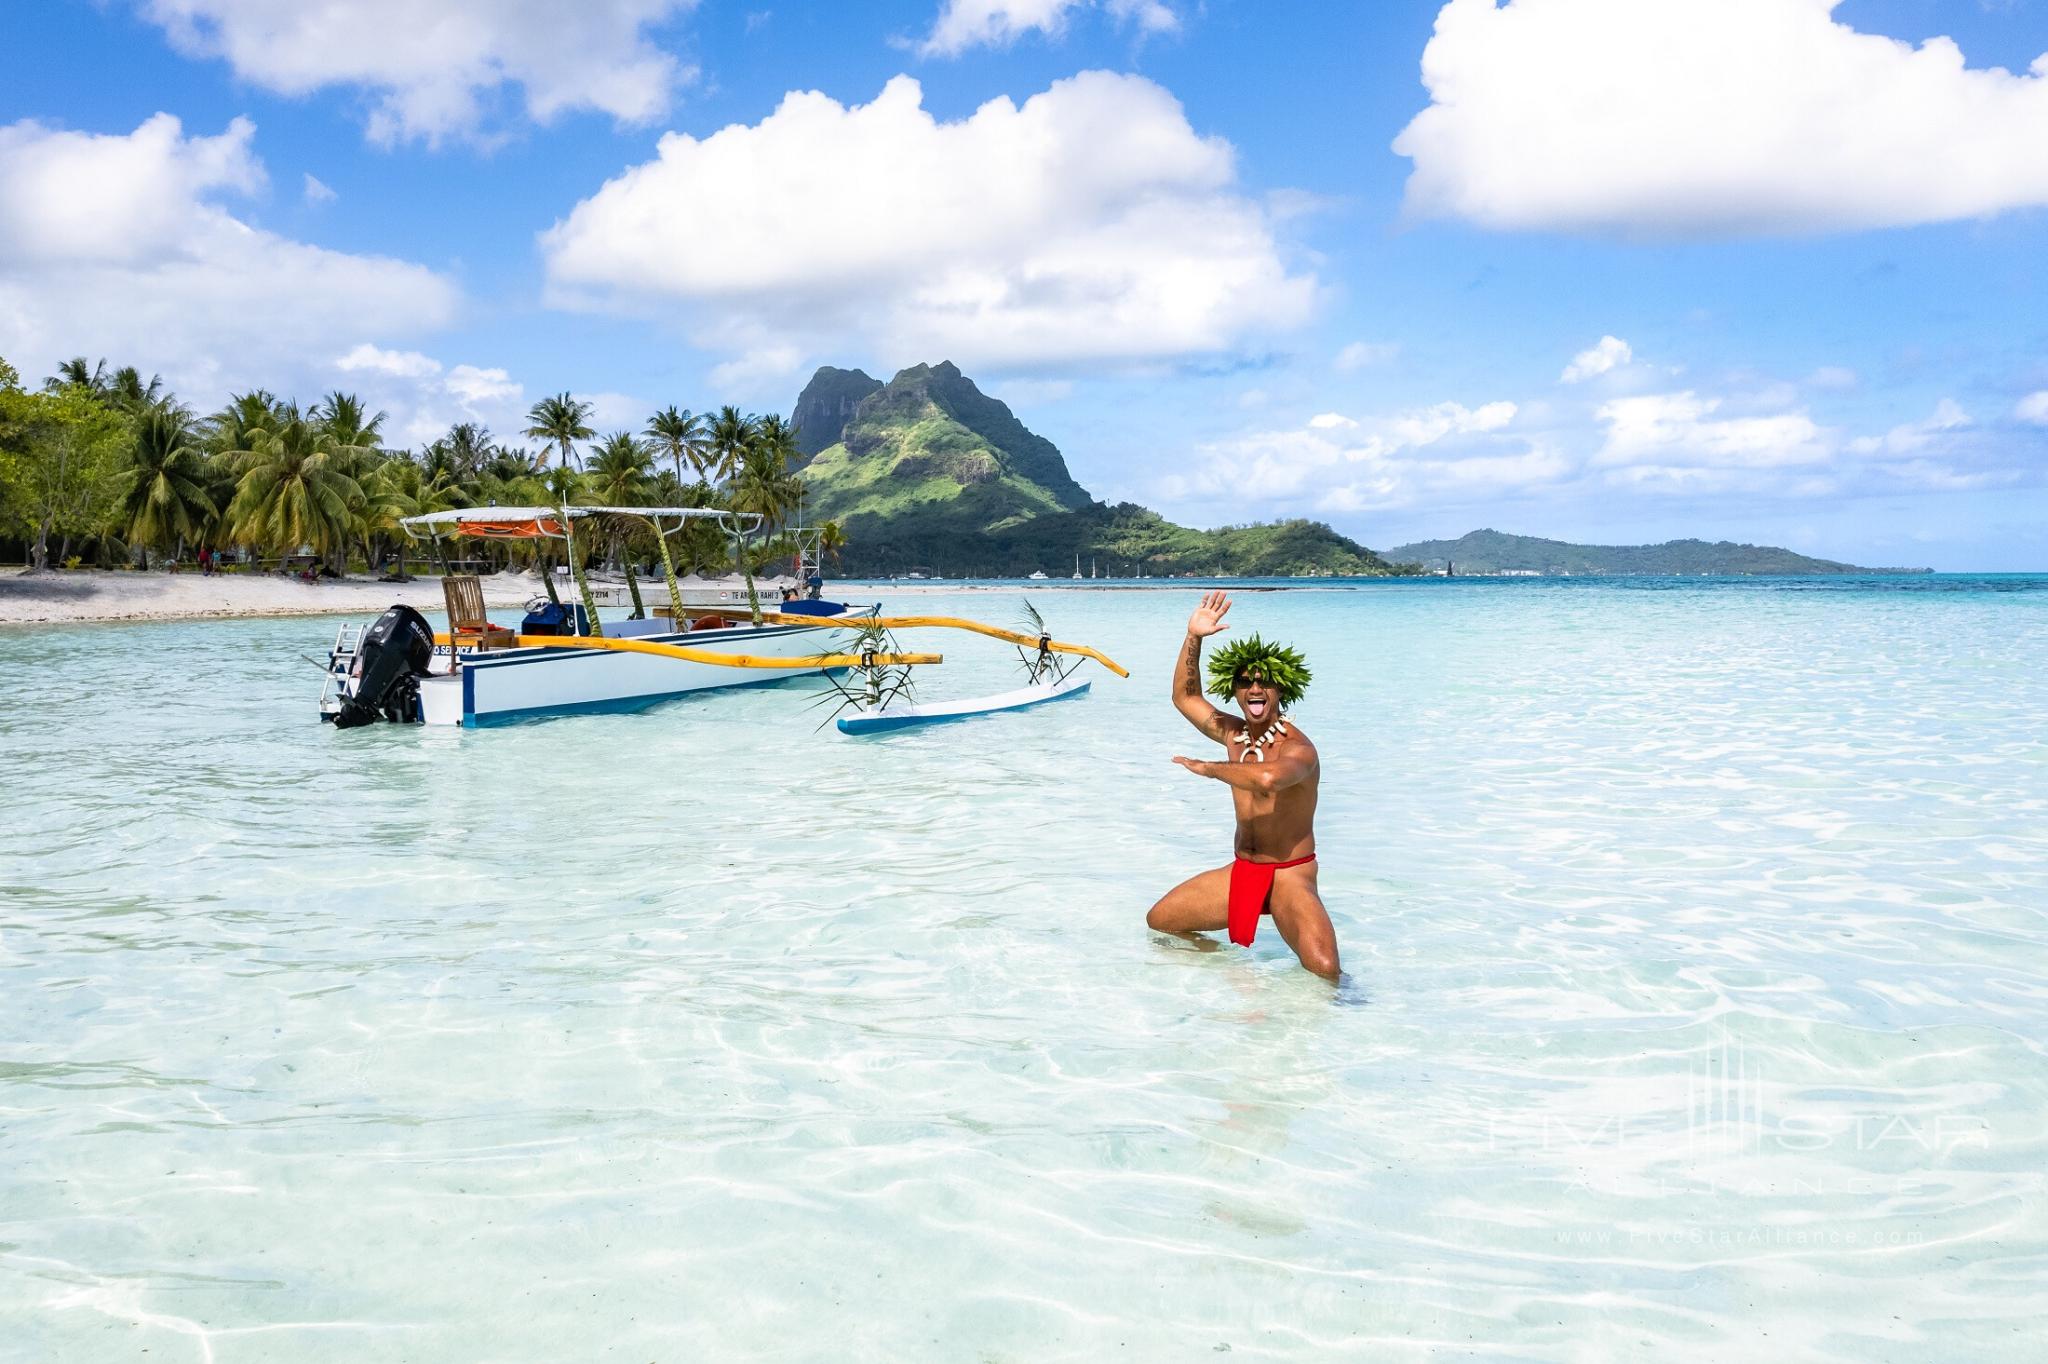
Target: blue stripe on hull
x=625, y=705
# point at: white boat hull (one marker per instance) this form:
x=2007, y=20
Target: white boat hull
x=937, y=712
x=504, y=686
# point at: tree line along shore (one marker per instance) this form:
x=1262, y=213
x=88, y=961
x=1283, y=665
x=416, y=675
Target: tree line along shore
x=102, y=468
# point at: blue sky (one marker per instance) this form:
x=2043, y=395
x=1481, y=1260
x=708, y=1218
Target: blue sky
x=1751, y=269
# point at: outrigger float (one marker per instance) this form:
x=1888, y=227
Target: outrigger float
x=565, y=660
x=905, y=716
x=876, y=692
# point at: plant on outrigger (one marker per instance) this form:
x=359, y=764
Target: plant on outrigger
x=1042, y=666
x=869, y=685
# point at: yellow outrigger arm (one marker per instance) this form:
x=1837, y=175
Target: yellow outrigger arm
x=688, y=655
x=947, y=623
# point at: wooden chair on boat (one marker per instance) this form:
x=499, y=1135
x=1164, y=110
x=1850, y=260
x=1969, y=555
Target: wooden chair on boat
x=467, y=625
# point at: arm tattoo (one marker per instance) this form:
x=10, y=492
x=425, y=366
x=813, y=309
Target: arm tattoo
x=1190, y=668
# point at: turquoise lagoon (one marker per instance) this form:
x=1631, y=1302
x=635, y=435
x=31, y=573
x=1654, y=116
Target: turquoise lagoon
x=1697, y=938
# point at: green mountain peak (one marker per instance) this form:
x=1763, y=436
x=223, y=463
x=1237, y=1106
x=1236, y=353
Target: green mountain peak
x=827, y=404
x=927, y=470
x=959, y=427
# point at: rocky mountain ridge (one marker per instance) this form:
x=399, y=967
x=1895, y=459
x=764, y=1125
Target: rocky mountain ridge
x=929, y=471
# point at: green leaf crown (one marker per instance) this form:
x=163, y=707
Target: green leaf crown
x=1284, y=669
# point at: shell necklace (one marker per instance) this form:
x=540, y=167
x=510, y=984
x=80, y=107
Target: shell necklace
x=1255, y=750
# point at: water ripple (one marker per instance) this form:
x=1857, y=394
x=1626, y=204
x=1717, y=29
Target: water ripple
x=1699, y=949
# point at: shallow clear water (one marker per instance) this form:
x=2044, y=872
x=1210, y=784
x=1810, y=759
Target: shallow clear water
x=1698, y=949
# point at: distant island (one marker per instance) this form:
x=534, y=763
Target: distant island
x=1487, y=552
x=928, y=472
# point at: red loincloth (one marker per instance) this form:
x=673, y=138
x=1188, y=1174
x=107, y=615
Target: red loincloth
x=1250, y=885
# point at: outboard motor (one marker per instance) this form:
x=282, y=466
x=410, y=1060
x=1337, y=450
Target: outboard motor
x=392, y=658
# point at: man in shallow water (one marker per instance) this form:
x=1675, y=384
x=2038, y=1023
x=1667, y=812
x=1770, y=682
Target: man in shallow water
x=1272, y=772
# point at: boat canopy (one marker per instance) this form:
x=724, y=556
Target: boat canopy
x=536, y=523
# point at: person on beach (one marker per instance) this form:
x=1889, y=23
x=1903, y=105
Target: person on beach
x=1272, y=772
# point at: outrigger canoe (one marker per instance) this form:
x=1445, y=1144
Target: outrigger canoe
x=905, y=716
x=562, y=660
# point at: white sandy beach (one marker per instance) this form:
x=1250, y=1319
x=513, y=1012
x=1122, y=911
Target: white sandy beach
x=78, y=595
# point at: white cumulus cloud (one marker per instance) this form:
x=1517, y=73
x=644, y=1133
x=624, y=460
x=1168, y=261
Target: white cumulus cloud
x=399, y=364
x=1335, y=463
x=425, y=397
x=476, y=386
x=1914, y=438
x=995, y=23
x=439, y=70
x=2033, y=408
x=1090, y=223
x=1610, y=353
x=764, y=371
x=1712, y=117
x=118, y=245
x=69, y=197
x=1686, y=446
x=317, y=191
x=1665, y=431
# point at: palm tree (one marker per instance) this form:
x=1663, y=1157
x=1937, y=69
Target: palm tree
x=76, y=373
x=127, y=391
x=510, y=466
x=470, y=447
x=354, y=436
x=773, y=433
x=342, y=419
x=618, y=473
x=776, y=439
x=167, y=501
x=234, y=427
x=831, y=539
x=562, y=420
x=681, y=436
x=292, y=493
x=389, y=496
x=666, y=490
x=221, y=477
x=438, y=461
x=561, y=484
x=422, y=487
x=229, y=434
x=764, y=485
x=731, y=434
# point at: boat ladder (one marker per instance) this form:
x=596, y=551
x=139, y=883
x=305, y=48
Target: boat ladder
x=341, y=662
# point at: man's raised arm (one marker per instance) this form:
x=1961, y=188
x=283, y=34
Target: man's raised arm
x=1187, y=673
